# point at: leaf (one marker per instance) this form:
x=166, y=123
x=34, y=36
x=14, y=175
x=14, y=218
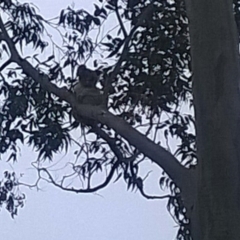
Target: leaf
x=166, y=133
x=61, y=18
x=103, y=13
x=109, y=45
x=95, y=63
x=97, y=11
x=97, y=21
x=161, y=181
x=5, y=48
x=118, y=177
x=110, y=7
x=13, y=156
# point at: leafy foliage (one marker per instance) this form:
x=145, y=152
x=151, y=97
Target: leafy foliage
x=24, y=24
x=10, y=196
x=158, y=58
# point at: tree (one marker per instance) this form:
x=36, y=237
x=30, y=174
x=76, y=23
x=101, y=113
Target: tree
x=168, y=54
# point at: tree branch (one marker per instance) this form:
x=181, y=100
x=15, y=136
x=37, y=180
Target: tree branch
x=152, y=197
x=120, y=21
x=113, y=146
x=87, y=190
x=9, y=61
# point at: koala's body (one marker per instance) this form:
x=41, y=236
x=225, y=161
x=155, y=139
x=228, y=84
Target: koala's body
x=88, y=95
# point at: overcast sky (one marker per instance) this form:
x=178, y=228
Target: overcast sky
x=52, y=214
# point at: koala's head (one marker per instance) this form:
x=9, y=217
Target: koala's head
x=87, y=77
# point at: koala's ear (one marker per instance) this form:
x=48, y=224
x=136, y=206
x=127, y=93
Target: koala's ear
x=98, y=72
x=81, y=69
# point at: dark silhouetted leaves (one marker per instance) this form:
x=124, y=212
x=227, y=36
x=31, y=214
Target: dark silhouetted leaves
x=10, y=197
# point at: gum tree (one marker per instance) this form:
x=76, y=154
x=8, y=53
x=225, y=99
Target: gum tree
x=161, y=61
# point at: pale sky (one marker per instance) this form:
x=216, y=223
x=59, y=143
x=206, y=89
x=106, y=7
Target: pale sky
x=52, y=214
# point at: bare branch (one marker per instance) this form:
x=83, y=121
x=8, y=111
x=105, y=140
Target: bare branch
x=87, y=190
x=120, y=21
x=8, y=62
x=152, y=197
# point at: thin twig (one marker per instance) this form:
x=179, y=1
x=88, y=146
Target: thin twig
x=120, y=21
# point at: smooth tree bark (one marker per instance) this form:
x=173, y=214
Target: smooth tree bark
x=215, y=64
x=211, y=191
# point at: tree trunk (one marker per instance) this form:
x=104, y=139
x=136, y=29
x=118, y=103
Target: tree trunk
x=215, y=64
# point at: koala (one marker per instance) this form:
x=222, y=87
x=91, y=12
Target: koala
x=86, y=91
